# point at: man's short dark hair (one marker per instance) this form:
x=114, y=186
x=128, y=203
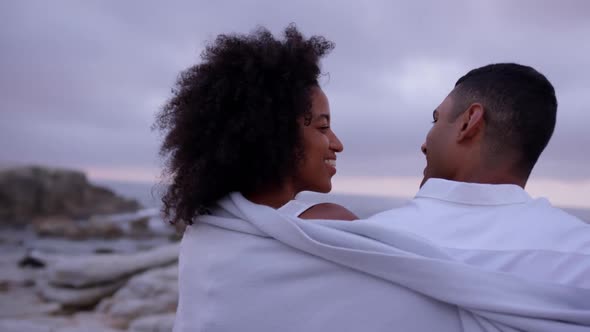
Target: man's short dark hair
x=520, y=108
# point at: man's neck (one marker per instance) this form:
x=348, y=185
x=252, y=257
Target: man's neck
x=490, y=177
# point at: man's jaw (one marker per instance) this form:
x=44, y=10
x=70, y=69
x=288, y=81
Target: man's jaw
x=424, y=179
x=425, y=175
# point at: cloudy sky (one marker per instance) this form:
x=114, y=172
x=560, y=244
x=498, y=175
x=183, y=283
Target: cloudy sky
x=80, y=81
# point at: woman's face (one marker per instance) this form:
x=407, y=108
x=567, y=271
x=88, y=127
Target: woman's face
x=320, y=146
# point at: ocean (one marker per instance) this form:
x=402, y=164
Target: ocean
x=361, y=205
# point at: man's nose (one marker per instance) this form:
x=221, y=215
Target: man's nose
x=423, y=148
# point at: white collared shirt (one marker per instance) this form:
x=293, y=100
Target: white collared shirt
x=498, y=227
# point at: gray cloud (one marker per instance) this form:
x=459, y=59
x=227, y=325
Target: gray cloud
x=81, y=81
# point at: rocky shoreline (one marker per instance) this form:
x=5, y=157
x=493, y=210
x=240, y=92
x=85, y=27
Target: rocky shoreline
x=78, y=257
x=34, y=192
x=92, y=292
x=94, y=284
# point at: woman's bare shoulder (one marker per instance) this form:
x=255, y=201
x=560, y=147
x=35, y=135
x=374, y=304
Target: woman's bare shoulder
x=328, y=211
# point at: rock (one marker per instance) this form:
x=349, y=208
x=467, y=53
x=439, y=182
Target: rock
x=22, y=302
x=31, y=262
x=78, y=323
x=30, y=192
x=76, y=298
x=140, y=228
x=157, y=323
x=20, y=325
x=55, y=226
x=125, y=312
x=152, y=283
x=101, y=230
x=85, y=329
x=68, y=228
x=38, y=324
x=104, y=251
x=42, y=257
x=140, y=225
x=82, y=281
x=13, y=276
x=89, y=270
x=87, y=321
x=159, y=285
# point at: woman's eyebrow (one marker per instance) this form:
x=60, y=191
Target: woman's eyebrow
x=323, y=115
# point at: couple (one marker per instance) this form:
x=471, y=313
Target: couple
x=249, y=128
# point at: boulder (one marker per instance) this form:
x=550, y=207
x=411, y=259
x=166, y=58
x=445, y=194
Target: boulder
x=140, y=224
x=85, y=329
x=78, y=323
x=21, y=302
x=76, y=298
x=87, y=321
x=12, y=275
x=140, y=227
x=20, y=325
x=96, y=269
x=156, y=323
x=68, y=228
x=100, y=230
x=30, y=192
x=159, y=285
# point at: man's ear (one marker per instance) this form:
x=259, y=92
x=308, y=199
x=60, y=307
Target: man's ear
x=471, y=121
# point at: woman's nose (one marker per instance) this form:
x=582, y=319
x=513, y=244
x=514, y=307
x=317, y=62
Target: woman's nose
x=335, y=144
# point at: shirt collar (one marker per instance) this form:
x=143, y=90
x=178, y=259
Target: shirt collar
x=473, y=193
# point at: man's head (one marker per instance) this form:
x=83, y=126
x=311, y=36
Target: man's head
x=492, y=127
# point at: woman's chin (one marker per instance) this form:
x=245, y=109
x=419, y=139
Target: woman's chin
x=326, y=188
x=322, y=187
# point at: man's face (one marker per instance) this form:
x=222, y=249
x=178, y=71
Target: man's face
x=442, y=159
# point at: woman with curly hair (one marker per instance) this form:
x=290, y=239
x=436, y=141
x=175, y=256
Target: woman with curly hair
x=249, y=120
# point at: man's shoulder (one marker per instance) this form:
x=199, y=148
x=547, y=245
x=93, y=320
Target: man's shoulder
x=545, y=210
x=408, y=207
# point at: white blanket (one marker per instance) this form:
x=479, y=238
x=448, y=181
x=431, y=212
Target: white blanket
x=487, y=300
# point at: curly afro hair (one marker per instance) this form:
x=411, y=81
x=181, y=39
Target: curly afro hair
x=232, y=122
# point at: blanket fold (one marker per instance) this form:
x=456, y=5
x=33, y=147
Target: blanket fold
x=486, y=300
